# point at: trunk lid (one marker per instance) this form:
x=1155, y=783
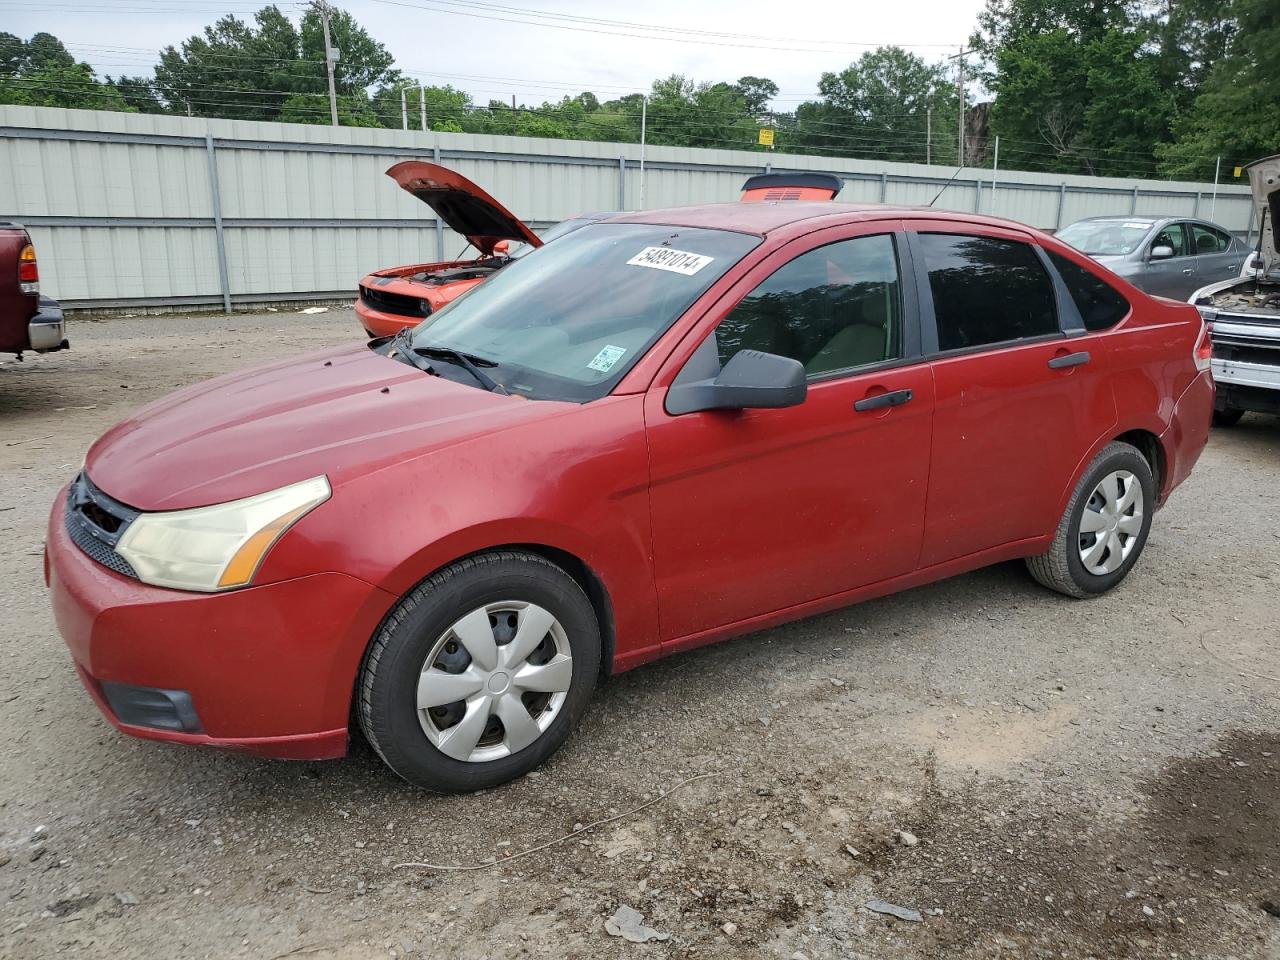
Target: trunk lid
x=463, y=206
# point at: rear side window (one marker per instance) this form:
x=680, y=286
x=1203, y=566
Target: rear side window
x=1099, y=304
x=1209, y=240
x=987, y=290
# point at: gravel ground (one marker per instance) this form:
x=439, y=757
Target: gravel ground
x=1075, y=779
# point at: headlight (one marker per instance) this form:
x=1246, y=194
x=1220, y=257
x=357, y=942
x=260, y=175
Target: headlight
x=218, y=547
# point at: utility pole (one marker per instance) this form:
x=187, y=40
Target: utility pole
x=513, y=114
x=330, y=57
x=422, y=104
x=644, y=115
x=1217, y=172
x=995, y=172
x=404, y=110
x=928, y=136
x=959, y=58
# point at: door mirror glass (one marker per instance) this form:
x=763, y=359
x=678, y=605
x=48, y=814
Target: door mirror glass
x=751, y=380
x=1161, y=253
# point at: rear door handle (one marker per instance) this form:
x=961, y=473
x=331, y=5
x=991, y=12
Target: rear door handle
x=1187, y=271
x=894, y=398
x=1069, y=360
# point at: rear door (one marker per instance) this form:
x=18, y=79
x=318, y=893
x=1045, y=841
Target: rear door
x=755, y=511
x=1217, y=255
x=1018, y=402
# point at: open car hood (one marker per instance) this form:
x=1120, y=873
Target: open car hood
x=464, y=207
x=1264, y=180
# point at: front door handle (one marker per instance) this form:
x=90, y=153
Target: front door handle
x=894, y=398
x=1187, y=271
x=1069, y=360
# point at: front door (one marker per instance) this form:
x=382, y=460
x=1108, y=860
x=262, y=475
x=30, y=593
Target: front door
x=755, y=511
x=1173, y=277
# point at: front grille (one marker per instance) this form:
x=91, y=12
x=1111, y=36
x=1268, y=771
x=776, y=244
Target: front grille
x=96, y=522
x=397, y=303
x=1241, y=351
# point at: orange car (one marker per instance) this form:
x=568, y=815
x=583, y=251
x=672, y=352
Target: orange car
x=399, y=297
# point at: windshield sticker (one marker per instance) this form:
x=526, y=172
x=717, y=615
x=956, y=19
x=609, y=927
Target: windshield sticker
x=608, y=356
x=665, y=258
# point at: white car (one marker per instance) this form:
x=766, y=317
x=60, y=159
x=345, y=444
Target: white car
x=1244, y=314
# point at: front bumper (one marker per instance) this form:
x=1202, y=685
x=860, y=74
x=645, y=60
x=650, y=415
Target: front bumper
x=46, y=331
x=379, y=323
x=269, y=670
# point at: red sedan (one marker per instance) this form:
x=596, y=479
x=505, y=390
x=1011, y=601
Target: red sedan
x=659, y=431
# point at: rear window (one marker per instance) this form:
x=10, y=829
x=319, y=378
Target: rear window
x=1100, y=305
x=987, y=291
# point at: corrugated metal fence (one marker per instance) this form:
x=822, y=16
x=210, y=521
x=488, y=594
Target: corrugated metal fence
x=138, y=210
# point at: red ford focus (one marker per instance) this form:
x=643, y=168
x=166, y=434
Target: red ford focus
x=659, y=431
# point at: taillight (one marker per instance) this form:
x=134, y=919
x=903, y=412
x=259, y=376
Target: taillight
x=1204, y=347
x=28, y=272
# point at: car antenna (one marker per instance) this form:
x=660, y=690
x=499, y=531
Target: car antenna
x=945, y=185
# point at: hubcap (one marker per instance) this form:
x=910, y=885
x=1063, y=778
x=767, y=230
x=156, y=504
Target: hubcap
x=1111, y=523
x=494, y=681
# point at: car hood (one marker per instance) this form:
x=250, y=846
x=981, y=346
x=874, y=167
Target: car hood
x=342, y=413
x=1264, y=181
x=464, y=207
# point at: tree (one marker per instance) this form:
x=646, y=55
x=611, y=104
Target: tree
x=249, y=72
x=756, y=92
x=41, y=72
x=1237, y=116
x=879, y=106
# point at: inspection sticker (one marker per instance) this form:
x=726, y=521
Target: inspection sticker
x=665, y=258
x=606, y=358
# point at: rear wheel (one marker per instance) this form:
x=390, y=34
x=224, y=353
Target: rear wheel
x=1105, y=526
x=480, y=673
x=1227, y=417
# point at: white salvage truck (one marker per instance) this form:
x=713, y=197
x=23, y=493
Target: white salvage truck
x=1244, y=314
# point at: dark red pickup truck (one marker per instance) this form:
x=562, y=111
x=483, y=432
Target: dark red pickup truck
x=28, y=321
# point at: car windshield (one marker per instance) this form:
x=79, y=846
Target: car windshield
x=552, y=232
x=1105, y=238
x=569, y=320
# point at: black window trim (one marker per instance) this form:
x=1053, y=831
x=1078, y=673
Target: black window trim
x=1067, y=303
x=910, y=304
x=929, y=318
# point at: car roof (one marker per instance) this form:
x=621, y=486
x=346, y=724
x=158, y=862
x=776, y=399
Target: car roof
x=761, y=219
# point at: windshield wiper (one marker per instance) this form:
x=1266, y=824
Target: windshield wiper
x=468, y=362
x=403, y=344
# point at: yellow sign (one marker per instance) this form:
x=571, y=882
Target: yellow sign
x=1239, y=170
x=766, y=137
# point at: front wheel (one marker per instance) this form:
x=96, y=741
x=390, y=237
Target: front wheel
x=1104, y=528
x=480, y=673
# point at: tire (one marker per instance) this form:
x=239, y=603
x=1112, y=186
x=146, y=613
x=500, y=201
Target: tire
x=1063, y=567
x=1227, y=417
x=513, y=595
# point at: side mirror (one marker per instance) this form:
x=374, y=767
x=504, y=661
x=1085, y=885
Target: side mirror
x=1161, y=252
x=501, y=247
x=752, y=379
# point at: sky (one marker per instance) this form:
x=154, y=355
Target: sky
x=542, y=49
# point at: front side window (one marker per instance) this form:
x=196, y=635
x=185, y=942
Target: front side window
x=1208, y=240
x=1099, y=303
x=836, y=307
x=987, y=290
x=570, y=319
x=1173, y=236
